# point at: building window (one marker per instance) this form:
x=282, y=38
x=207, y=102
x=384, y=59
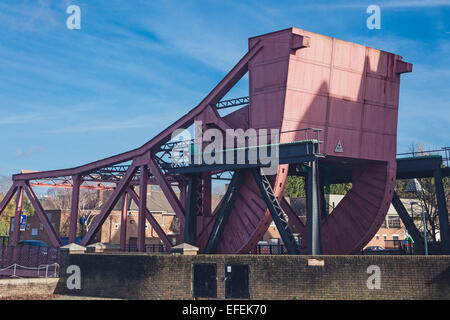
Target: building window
x=41, y=227
x=116, y=226
x=394, y=222
x=385, y=237
x=384, y=224
x=49, y=216
x=377, y=236
x=274, y=241
x=162, y=220
x=146, y=226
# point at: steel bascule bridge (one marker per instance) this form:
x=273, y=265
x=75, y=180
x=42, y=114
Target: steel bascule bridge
x=335, y=105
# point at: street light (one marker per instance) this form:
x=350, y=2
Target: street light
x=415, y=187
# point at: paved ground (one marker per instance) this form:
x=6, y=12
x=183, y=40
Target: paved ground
x=53, y=297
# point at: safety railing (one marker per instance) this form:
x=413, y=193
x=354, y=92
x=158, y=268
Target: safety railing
x=152, y=248
x=18, y=271
x=28, y=256
x=444, y=152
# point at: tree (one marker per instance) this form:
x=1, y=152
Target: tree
x=295, y=187
x=10, y=210
x=427, y=199
x=61, y=199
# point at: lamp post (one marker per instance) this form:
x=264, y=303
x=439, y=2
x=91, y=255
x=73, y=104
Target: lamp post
x=424, y=226
x=424, y=231
x=415, y=187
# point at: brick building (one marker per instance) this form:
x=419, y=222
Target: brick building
x=392, y=229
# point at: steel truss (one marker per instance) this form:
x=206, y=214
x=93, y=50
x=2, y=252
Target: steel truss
x=109, y=173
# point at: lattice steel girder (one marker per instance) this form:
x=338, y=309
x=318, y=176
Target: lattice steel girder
x=232, y=102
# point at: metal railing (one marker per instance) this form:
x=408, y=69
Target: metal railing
x=153, y=248
x=444, y=152
x=272, y=249
x=32, y=260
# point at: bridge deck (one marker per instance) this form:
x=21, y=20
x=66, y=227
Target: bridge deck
x=251, y=157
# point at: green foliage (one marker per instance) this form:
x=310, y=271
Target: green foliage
x=9, y=212
x=341, y=188
x=295, y=187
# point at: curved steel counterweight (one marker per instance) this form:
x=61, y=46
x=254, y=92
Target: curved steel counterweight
x=297, y=80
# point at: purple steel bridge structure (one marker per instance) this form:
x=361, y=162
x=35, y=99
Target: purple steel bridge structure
x=335, y=104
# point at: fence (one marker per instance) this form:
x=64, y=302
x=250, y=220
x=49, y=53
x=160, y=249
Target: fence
x=443, y=152
x=272, y=249
x=29, y=261
x=154, y=248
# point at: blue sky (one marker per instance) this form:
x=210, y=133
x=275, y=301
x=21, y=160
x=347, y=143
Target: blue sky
x=68, y=97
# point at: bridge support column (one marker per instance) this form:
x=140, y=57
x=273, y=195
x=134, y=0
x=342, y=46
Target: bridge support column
x=313, y=214
x=443, y=214
x=18, y=214
x=206, y=176
x=76, y=183
x=190, y=226
x=123, y=222
x=183, y=190
x=142, y=207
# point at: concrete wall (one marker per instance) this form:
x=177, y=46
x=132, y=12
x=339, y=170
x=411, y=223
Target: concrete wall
x=21, y=287
x=145, y=276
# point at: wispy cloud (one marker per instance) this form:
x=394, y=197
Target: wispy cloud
x=21, y=119
x=198, y=39
x=408, y=4
x=23, y=153
x=112, y=125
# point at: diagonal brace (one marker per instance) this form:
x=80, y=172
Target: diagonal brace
x=277, y=213
x=109, y=205
x=148, y=215
x=224, y=211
